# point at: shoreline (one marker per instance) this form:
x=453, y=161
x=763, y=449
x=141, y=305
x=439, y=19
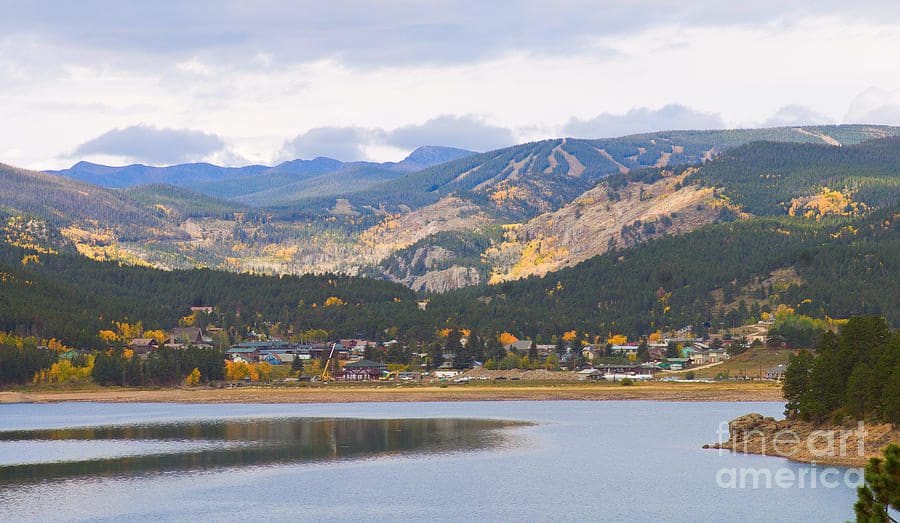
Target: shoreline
x=700, y=392
x=850, y=445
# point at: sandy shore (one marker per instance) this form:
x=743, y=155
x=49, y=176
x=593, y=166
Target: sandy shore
x=335, y=393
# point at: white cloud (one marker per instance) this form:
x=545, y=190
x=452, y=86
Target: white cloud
x=875, y=105
x=256, y=76
x=641, y=120
x=464, y=132
x=796, y=115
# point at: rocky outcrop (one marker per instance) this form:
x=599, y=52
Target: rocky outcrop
x=446, y=280
x=850, y=444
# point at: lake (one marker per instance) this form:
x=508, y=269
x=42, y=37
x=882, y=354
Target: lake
x=489, y=461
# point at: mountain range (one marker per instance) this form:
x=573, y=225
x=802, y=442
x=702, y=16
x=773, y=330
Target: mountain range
x=262, y=185
x=446, y=218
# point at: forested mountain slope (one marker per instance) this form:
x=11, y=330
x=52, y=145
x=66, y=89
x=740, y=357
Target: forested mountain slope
x=843, y=266
x=493, y=217
x=65, y=203
x=840, y=266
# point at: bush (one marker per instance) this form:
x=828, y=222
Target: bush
x=689, y=375
x=627, y=382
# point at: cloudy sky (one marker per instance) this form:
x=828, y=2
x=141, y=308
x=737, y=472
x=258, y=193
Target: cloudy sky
x=264, y=81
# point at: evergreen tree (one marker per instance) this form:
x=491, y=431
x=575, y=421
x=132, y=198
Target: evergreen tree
x=435, y=355
x=533, y=352
x=476, y=343
x=464, y=358
x=643, y=352
x=561, y=347
x=495, y=349
x=796, y=381
x=672, y=350
x=882, y=489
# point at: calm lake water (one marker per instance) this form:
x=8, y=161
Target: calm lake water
x=488, y=461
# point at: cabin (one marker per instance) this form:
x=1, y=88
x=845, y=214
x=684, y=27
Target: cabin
x=363, y=370
x=142, y=347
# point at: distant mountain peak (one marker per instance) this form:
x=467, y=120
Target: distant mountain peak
x=435, y=154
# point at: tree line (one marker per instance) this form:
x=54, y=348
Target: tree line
x=855, y=373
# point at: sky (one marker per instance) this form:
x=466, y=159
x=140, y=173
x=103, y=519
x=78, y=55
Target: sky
x=235, y=82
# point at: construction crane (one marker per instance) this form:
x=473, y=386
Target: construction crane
x=327, y=375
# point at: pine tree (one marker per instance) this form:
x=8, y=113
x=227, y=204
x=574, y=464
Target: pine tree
x=643, y=352
x=533, y=351
x=882, y=489
x=561, y=347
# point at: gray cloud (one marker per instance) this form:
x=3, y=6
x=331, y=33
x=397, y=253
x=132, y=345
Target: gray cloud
x=642, y=120
x=148, y=144
x=388, y=33
x=464, y=132
x=796, y=115
x=341, y=143
x=350, y=143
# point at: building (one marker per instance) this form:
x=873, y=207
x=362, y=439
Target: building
x=676, y=363
x=717, y=355
x=183, y=337
x=616, y=372
x=142, y=347
x=363, y=370
x=624, y=350
x=247, y=354
x=202, y=310
x=776, y=372
x=520, y=347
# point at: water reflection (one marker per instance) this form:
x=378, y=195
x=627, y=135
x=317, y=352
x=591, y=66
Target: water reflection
x=247, y=442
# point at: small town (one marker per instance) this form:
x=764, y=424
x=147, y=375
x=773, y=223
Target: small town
x=458, y=359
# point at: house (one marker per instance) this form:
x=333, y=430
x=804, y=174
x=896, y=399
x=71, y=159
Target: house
x=624, y=350
x=776, y=372
x=246, y=354
x=520, y=347
x=142, y=347
x=183, y=337
x=271, y=359
x=363, y=370
x=697, y=356
x=616, y=372
x=202, y=310
x=590, y=375
x=678, y=363
x=717, y=355
x=545, y=349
